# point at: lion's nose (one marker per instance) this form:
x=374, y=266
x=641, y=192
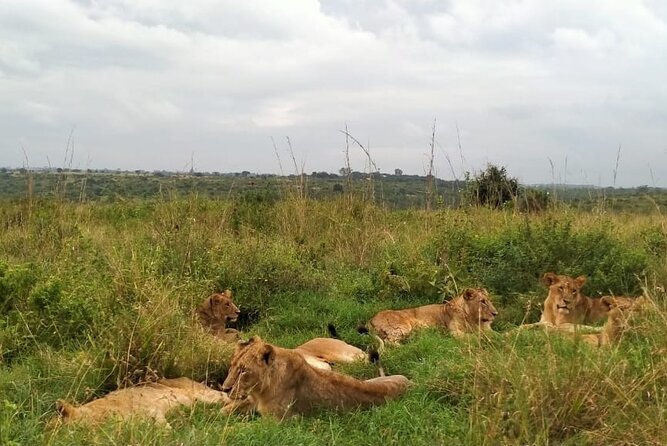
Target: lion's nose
x=226, y=389
x=494, y=313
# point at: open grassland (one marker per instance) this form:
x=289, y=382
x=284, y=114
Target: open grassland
x=94, y=296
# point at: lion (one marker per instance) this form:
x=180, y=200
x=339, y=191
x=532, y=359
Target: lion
x=281, y=384
x=150, y=400
x=618, y=322
x=214, y=313
x=566, y=306
x=323, y=352
x=470, y=311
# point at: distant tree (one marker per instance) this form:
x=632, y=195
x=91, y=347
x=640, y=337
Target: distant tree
x=533, y=200
x=338, y=188
x=344, y=171
x=491, y=187
x=398, y=172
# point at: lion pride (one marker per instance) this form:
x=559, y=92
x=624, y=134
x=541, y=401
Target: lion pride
x=281, y=384
x=470, y=311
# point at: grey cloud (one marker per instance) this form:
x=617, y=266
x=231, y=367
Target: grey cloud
x=146, y=84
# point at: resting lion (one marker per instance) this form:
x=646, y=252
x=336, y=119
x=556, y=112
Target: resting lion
x=214, y=313
x=322, y=352
x=151, y=400
x=470, y=311
x=618, y=322
x=566, y=305
x=281, y=384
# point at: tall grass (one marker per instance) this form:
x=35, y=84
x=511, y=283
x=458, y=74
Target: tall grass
x=100, y=295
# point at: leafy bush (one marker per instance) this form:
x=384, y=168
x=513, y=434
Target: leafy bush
x=491, y=187
x=533, y=200
x=57, y=317
x=262, y=266
x=512, y=261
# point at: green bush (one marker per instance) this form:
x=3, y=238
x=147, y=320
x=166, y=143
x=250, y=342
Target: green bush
x=513, y=260
x=262, y=266
x=57, y=317
x=15, y=285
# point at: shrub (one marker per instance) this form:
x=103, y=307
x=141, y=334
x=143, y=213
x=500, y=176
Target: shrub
x=512, y=260
x=15, y=285
x=492, y=187
x=262, y=266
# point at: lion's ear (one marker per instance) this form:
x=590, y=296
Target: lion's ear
x=469, y=293
x=549, y=278
x=240, y=344
x=65, y=409
x=269, y=354
x=228, y=293
x=607, y=301
x=580, y=281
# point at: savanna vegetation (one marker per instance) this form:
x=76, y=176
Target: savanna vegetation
x=96, y=295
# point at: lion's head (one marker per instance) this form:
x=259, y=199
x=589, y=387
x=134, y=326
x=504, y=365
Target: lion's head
x=248, y=370
x=478, y=307
x=564, y=291
x=622, y=309
x=219, y=307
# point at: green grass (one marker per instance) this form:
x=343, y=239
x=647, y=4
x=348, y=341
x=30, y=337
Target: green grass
x=100, y=295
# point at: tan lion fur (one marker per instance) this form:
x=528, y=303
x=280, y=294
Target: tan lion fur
x=322, y=352
x=215, y=312
x=472, y=310
x=618, y=322
x=282, y=384
x=151, y=400
x=565, y=304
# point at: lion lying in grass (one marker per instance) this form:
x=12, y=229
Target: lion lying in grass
x=565, y=305
x=151, y=400
x=281, y=384
x=472, y=310
x=322, y=352
x=215, y=312
x=219, y=308
x=622, y=311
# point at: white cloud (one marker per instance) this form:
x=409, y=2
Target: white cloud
x=147, y=82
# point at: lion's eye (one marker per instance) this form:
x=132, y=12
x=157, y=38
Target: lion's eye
x=560, y=288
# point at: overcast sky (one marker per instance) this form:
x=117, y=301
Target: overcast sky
x=549, y=89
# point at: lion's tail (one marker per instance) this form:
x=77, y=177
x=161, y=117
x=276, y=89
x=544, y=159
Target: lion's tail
x=374, y=358
x=331, y=328
x=362, y=329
